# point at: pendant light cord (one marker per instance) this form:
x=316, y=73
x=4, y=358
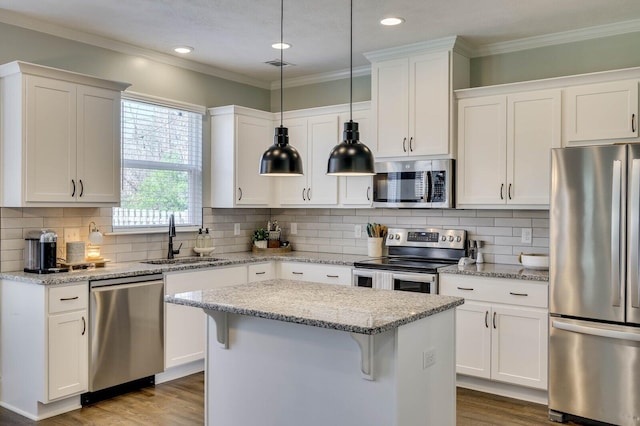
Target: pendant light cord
x=351, y=65
x=281, y=56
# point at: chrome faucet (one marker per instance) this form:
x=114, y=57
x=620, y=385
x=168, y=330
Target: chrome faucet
x=172, y=233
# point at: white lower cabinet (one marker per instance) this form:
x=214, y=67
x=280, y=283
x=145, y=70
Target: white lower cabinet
x=319, y=273
x=501, y=330
x=261, y=272
x=185, y=327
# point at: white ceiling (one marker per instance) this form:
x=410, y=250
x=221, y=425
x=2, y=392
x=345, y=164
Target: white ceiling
x=236, y=35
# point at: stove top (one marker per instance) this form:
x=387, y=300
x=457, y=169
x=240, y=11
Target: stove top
x=400, y=264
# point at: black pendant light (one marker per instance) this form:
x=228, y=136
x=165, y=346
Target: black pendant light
x=351, y=157
x=281, y=159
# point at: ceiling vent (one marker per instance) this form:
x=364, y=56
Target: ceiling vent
x=278, y=63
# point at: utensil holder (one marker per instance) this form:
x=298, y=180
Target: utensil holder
x=374, y=247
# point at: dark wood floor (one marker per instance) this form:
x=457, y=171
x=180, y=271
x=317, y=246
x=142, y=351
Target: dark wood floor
x=181, y=403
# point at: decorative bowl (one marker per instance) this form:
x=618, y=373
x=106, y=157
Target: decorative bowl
x=534, y=261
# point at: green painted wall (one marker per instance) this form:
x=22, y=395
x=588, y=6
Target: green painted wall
x=322, y=94
x=146, y=76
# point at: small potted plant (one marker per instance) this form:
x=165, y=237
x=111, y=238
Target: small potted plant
x=260, y=237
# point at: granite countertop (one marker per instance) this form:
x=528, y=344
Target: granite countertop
x=497, y=270
x=130, y=269
x=345, y=308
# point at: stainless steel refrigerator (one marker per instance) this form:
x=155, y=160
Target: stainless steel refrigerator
x=594, y=322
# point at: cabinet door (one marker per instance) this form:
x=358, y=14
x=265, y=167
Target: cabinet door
x=390, y=104
x=473, y=339
x=98, y=152
x=601, y=112
x=293, y=190
x=357, y=190
x=252, y=139
x=50, y=140
x=323, y=189
x=533, y=128
x=482, y=150
x=519, y=346
x=185, y=326
x=429, y=104
x=68, y=354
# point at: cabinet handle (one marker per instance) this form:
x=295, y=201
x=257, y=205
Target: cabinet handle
x=465, y=288
x=633, y=123
x=404, y=144
x=81, y=188
x=509, y=191
x=297, y=273
x=486, y=319
x=308, y=194
x=261, y=273
x=73, y=182
x=333, y=276
x=368, y=196
x=494, y=320
x=84, y=326
x=501, y=191
x=303, y=198
x=518, y=294
x=411, y=144
x=240, y=191
x=64, y=299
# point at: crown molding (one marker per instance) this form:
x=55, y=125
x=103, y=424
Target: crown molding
x=558, y=38
x=321, y=77
x=18, y=20
x=439, y=45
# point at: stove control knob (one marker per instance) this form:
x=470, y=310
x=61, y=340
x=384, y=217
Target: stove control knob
x=390, y=236
x=397, y=236
x=458, y=238
x=443, y=238
x=450, y=238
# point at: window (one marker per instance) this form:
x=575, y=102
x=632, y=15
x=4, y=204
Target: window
x=161, y=164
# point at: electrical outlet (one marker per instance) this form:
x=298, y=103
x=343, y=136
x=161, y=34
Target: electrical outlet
x=236, y=229
x=358, y=231
x=71, y=234
x=428, y=358
x=526, y=237
x=294, y=228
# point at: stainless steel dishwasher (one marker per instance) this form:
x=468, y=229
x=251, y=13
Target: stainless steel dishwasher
x=126, y=334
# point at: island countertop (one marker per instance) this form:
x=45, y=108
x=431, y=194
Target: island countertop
x=352, y=309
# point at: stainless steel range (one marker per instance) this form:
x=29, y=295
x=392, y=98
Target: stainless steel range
x=413, y=261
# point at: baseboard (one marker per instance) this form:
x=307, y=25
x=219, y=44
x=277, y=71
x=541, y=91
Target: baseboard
x=47, y=410
x=503, y=389
x=179, y=371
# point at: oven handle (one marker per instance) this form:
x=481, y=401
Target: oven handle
x=419, y=278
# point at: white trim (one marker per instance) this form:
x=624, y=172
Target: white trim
x=321, y=77
x=15, y=19
x=150, y=230
x=156, y=100
x=439, y=45
x=558, y=38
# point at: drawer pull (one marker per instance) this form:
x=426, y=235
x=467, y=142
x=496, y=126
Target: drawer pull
x=518, y=294
x=486, y=319
x=333, y=276
x=465, y=288
x=297, y=273
x=261, y=273
x=494, y=320
x=84, y=326
x=66, y=299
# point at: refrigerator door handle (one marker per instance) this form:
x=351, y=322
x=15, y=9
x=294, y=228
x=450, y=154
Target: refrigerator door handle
x=634, y=241
x=596, y=331
x=616, y=220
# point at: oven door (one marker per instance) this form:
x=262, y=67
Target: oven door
x=417, y=283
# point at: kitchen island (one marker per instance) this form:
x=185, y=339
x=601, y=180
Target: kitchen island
x=289, y=353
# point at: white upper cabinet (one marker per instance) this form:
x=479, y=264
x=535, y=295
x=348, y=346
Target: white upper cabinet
x=357, y=190
x=606, y=113
x=239, y=137
x=61, y=137
x=504, y=149
x=412, y=101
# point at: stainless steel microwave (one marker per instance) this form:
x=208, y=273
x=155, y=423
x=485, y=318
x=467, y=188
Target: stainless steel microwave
x=414, y=184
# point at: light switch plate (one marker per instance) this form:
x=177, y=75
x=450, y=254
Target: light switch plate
x=526, y=237
x=428, y=358
x=294, y=228
x=236, y=229
x=358, y=231
x=71, y=234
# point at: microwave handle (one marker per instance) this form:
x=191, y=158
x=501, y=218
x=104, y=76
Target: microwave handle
x=429, y=194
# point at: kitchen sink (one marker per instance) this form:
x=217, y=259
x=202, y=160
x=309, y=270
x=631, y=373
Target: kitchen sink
x=181, y=260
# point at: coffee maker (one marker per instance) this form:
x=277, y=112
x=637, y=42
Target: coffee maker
x=40, y=252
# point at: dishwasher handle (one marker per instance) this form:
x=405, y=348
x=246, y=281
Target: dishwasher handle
x=125, y=280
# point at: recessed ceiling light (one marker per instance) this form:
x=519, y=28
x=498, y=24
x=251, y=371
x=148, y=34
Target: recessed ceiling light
x=183, y=49
x=392, y=21
x=281, y=46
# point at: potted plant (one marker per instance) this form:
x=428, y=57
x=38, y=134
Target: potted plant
x=260, y=237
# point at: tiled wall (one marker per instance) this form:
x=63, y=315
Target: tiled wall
x=319, y=230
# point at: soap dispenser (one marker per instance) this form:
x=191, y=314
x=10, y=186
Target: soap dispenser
x=207, y=239
x=200, y=239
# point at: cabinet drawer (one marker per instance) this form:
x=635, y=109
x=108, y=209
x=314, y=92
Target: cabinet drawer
x=261, y=272
x=327, y=274
x=68, y=298
x=495, y=290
